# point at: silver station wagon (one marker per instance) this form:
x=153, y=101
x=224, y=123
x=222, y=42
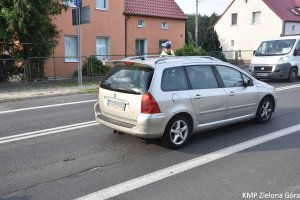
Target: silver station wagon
x=172, y=97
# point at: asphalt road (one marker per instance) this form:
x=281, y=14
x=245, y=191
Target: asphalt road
x=59, y=152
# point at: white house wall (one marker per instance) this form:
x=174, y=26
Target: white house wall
x=291, y=28
x=245, y=35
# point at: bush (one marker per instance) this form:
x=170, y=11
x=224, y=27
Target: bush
x=8, y=69
x=190, y=50
x=93, y=67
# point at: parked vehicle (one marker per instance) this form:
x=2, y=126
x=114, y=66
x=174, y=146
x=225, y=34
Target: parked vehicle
x=277, y=58
x=172, y=97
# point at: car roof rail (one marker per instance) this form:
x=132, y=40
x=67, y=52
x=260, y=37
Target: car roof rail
x=141, y=57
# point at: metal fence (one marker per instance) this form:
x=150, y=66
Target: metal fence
x=65, y=69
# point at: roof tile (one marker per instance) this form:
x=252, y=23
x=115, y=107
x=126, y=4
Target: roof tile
x=283, y=9
x=154, y=8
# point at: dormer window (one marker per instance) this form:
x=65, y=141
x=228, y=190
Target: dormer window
x=295, y=11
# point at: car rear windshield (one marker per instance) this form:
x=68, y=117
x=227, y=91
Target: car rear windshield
x=128, y=79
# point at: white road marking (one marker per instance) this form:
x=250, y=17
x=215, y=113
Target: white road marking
x=87, y=101
x=39, y=133
x=288, y=87
x=47, y=106
x=184, y=166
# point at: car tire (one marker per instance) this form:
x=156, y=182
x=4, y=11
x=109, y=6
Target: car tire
x=265, y=110
x=293, y=75
x=177, y=132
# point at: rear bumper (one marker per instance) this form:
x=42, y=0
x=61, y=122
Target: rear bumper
x=147, y=126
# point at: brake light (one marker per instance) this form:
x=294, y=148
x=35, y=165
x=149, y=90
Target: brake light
x=129, y=63
x=149, y=104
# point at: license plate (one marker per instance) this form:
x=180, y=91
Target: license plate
x=116, y=105
x=262, y=74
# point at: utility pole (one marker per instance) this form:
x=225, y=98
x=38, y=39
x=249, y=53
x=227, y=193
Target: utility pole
x=196, y=25
x=78, y=4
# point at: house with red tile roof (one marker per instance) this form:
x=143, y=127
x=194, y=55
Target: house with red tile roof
x=245, y=23
x=117, y=28
x=148, y=24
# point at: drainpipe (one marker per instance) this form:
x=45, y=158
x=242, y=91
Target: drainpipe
x=126, y=19
x=283, y=28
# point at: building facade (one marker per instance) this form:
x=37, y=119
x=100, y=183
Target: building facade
x=245, y=23
x=117, y=28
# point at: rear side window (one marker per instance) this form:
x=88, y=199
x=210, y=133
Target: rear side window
x=173, y=79
x=128, y=79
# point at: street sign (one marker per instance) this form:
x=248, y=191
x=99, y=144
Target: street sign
x=78, y=3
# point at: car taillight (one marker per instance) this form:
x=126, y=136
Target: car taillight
x=149, y=104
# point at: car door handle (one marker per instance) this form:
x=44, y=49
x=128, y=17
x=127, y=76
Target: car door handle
x=231, y=93
x=198, y=96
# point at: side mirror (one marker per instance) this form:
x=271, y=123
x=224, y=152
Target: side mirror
x=254, y=52
x=249, y=83
x=297, y=52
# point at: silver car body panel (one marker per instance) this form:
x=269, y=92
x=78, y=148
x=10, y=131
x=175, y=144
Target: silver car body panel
x=207, y=108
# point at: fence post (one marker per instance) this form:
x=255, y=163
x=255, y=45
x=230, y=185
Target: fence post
x=236, y=57
x=29, y=69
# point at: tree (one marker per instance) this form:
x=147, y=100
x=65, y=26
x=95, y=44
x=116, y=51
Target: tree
x=212, y=45
x=205, y=23
x=27, y=30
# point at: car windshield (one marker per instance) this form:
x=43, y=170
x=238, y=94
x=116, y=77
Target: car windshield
x=275, y=47
x=128, y=79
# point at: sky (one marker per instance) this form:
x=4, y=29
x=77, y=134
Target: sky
x=205, y=7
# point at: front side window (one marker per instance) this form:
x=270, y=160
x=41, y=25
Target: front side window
x=201, y=77
x=140, y=47
x=173, y=79
x=231, y=77
x=102, y=48
x=128, y=79
x=102, y=4
x=275, y=47
x=234, y=19
x=256, y=17
x=71, y=48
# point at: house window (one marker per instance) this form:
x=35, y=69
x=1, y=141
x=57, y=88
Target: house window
x=141, y=47
x=256, y=17
x=70, y=3
x=164, y=25
x=141, y=23
x=71, y=49
x=232, y=43
x=160, y=43
x=102, y=48
x=102, y=4
x=234, y=19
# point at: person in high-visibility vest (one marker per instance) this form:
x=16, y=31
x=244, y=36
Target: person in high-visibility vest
x=167, y=50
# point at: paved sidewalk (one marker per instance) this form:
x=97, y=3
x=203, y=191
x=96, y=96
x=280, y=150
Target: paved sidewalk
x=18, y=91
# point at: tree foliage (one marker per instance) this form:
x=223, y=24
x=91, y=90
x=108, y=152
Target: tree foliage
x=205, y=23
x=212, y=44
x=190, y=50
x=27, y=30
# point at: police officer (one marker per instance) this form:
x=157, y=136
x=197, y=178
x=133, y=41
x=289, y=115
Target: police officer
x=167, y=51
